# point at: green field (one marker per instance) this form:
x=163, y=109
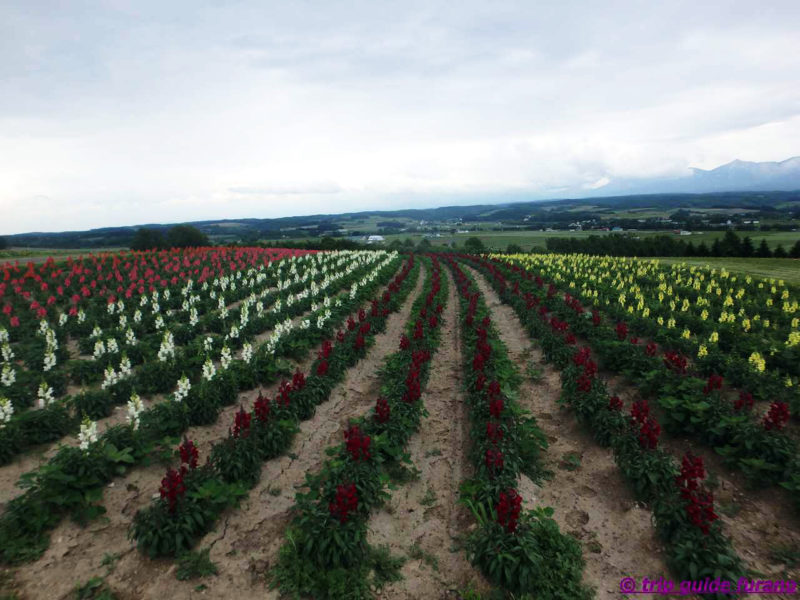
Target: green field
x=499, y=240
x=787, y=269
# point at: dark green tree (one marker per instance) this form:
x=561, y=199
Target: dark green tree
x=795, y=251
x=474, y=245
x=147, y=239
x=747, y=249
x=514, y=249
x=702, y=249
x=780, y=252
x=763, y=250
x=716, y=249
x=731, y=245
x=3, y=243
x=186, y=236
x=424, y=245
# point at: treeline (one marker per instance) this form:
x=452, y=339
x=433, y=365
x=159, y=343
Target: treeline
x=179, y=236
x=730, y=245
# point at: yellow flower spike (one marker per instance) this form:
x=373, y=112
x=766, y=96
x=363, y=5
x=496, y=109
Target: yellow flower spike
x=702, y=351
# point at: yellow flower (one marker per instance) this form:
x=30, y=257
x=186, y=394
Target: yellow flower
x=702, y=351
x=714, y=337
x=746, y=324
x=660, y=320
x=757, y=361
x=686, y=334
x=794, y=339
x=789, y=382
x=704, y=314
x=670, y=323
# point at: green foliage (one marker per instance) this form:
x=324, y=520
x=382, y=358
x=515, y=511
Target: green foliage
x=537, y=559
x=194, y=564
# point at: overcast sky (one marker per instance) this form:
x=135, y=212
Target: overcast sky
x=120, y=113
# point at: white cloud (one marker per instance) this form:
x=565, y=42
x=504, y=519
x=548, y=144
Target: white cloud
x=124, y=113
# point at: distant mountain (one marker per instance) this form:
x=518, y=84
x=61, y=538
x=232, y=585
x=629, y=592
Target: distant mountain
x=735, y=176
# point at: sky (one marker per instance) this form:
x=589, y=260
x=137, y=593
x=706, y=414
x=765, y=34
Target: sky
x=120, y=113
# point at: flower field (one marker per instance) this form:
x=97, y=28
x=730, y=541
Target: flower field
x=247, y=422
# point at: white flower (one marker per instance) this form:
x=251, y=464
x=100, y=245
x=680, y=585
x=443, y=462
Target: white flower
x=234, y=333
x=208, y=344
x=81, y=316
x=3, y=335
x=99, y=349
x=167, y=294
x=208, y=370
x=159, y=322
x=221, y=303
x=43, y=326
x=156, y=308
x=167, y=349
x=111, y=346
x=137, y=316
x=247, y=352
x=49, y=360
x=7, y=352
x=6, y=410
x=184, y=385
x=123, y=321
x=96, y=332
x=110, y=377
x=125, y=366
x=62, y=319
x=193, y=320
x=225, y=358
x=143, y=301
x=88, y=433
x=135, y=408
x=45, y=395
x=110, y=308
x=305, y=324
x=130, y=337
x=9, y=376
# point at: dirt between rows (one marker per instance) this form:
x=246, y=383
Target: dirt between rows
x=423, y=519
x=587, y=492
x=246, y=540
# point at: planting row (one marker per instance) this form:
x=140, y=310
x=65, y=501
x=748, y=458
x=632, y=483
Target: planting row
x=520, y=551
x=326, y=553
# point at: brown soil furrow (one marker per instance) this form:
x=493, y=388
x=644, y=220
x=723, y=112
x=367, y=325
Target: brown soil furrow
x=425, y=514
x=590, y=498
x=243, y=535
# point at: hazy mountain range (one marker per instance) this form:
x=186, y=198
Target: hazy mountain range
x=735, y=176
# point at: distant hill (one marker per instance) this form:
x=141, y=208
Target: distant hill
x=735, y=185
x=737, y=175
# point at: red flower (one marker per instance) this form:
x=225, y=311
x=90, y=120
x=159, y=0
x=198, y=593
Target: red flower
x=351, y=324
x=418, y=330
x=615, y=403
x=508, y=509
x=361, y=315
x=241, y=424
x=699, y=503
x=325, y=351
x=382, y=410
x=714, y=383
x=357, y=444
x=404, y=342
x=494, y=461
x=496, y=407
x=745, y=401
x=494, y=432
x=675, y=362
x=622, y=331
x=596, y=319
x=298, y=380
x=172, y=488
x=479, y=382
x=359, y=342
x=322, y=368
x=188, y=452
x=346, y=501
x=340, y=336
x=777, y=417
x=261, y=408
x=651, y=349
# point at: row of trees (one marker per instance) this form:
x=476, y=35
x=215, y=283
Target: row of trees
x=179, y=236
x=730, y=245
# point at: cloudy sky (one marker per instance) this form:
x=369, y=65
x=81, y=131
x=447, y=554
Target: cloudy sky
x=118, y=113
